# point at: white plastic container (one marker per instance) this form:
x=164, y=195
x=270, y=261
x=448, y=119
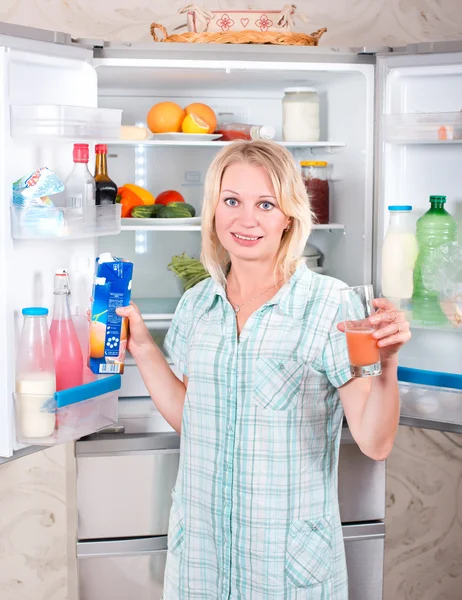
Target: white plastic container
x=399, y=254
x=300, y=115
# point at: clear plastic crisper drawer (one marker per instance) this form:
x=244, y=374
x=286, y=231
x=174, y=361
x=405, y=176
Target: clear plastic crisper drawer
x=66, y=122
x=423, y=127
x=64, y=223
x=69, y=414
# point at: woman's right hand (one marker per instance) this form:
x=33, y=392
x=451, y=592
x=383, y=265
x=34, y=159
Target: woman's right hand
x=138, y=334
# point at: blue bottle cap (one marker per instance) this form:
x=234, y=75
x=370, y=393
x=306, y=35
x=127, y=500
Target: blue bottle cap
x=35, y=311
x=400, y=207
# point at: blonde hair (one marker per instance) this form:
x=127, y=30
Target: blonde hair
x=290, y=194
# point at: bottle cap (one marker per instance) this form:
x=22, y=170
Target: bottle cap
x=313, y=163
x=267, y=132
x=60, y=272
x=441, y=199
x=101, y=149
x=35, y=311
x=81, y=153
x=397, y=207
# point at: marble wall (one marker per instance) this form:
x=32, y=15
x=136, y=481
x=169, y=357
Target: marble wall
x=424, y=498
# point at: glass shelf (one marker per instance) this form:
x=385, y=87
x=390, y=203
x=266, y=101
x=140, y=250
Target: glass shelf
x=329, y=146
x=151, y=225
x=423, y=128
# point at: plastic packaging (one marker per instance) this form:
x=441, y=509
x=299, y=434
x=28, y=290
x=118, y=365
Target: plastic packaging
x=35, y=376
x=434, y=229
x=300, y=115
x=314, y=174
x=243, y=131
x=399, y=254
x=66, y=346
x=108, y=331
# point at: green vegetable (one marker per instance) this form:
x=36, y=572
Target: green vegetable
x=146, y=212
x=190, y=270
x=173, y=212
x=192, y=210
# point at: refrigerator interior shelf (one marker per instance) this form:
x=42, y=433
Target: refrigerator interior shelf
x=64, y=223
x=65, y=122
x=157, y=309
x=47, y=420
x=217, y=143
x=423, y=128
x=151, y=225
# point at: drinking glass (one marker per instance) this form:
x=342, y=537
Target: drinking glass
x=362, y=346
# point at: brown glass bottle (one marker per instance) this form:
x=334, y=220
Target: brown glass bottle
x=106, y=189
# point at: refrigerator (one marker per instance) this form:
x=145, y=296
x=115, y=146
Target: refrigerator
x=55, y=90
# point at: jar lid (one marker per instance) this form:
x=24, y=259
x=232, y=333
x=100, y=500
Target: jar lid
x=35, y=311
x=300, y=90
x=404, y=207
x=313, y=163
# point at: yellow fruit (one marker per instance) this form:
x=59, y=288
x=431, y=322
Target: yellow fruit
x=205, y=113
x=194, y=124
x=165, y=117
x=97, y=339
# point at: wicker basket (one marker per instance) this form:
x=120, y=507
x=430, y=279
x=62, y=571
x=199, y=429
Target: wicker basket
x=239, y=37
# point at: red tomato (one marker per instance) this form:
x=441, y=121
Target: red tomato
x=169, y=196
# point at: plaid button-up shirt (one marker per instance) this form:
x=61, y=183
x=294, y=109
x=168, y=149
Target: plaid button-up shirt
x=255, y=508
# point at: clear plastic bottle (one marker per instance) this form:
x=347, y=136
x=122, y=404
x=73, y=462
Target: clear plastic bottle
x=66, y=347
x=399, y=253
x=80, y=184
x=35, y=376
x=435, y=228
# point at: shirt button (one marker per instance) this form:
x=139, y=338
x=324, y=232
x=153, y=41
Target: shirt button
x=281, y=367
x=230, y=389
x=226, y=540
x=230, y=427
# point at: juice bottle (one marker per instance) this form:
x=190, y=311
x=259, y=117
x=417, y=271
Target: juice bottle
x=435, y=228
x=66, y=346
x=399, y=254
x=35, y=377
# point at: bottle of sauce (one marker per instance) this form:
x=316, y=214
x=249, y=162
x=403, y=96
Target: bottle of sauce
x=66, y=346
x=35, y=377
x=106, y=189
x=80, y=185
x=243, y=131
x=399, y=253
x=435, y=228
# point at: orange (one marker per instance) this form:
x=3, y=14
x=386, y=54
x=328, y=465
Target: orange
x=97, y=339
x=165, y=117
x=193, y=124
x=205, y=113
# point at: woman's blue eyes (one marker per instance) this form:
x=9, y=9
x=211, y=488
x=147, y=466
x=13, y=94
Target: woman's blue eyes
x=264, y=205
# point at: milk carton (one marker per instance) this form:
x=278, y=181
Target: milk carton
x=108, y=332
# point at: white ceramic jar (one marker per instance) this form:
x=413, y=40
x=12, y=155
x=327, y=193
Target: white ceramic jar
x=300, y=115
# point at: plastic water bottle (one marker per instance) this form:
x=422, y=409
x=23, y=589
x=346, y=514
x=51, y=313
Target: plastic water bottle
x=399, y=254
x=35, y=377
x=435, y=228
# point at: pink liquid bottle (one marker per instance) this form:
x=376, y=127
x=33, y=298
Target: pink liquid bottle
x=66, y=346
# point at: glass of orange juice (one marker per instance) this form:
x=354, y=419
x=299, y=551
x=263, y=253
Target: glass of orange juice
x=362, y=346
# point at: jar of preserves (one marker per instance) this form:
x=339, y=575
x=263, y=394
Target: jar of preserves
x=300, y=115
x=314, y=174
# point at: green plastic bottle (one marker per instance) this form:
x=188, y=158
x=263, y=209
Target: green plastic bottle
x=434, y=228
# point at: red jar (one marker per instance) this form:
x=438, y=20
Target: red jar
x=314, y=175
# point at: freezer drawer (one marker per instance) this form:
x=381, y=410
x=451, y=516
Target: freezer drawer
x=124, y=485
x=361, y=483
x=364, y=549
x=134, y=569
x=122, y=569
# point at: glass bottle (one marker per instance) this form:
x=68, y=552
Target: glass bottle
x=106, y=189
x=80, y=185
x=300, y=115
x=35, y=377
x=314, y=174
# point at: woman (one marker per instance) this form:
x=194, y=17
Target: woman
x=266, y=381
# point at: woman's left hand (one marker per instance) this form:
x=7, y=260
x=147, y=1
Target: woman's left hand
x=392, y=328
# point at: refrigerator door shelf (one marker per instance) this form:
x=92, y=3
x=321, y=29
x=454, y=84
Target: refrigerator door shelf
x=65, y=122
x=423, y=128
x=59, y=223
x=67, y=415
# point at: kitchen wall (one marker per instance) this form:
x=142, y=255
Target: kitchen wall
x=424, y=497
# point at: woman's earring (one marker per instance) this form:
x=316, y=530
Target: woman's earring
x=288, y=228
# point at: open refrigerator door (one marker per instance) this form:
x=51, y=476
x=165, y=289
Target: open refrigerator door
x=48, y=101
x=419, y=154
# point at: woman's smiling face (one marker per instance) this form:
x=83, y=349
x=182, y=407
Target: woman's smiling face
x=248, y=220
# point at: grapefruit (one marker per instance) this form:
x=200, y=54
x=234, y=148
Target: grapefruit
x=194, y=124
x=165, y=117
x=204, y=112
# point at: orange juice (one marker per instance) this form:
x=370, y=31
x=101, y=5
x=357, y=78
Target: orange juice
x=362, y=347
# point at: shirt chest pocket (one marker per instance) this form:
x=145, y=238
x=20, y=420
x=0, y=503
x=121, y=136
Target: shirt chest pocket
x=277, y=383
